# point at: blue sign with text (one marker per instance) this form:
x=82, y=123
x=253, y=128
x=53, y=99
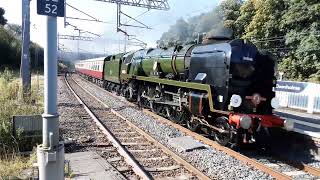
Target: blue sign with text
x=289, y=86
x=51, y=7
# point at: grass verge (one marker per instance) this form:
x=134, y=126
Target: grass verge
x=11, y=103
x=13, y=166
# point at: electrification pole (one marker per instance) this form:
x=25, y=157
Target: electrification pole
x=50, y=154
x=78, y=45
x=25, y=54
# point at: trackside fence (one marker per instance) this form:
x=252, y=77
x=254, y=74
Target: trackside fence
x=299, y=95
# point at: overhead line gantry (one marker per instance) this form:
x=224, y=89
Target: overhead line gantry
x=148, y=4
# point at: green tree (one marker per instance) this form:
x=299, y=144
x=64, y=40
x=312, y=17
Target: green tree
x=15, y=29
x=9, y=49
x=302, y=22
x=3, y=21
x=230, y=10
x=247, y=11
x=266, y=21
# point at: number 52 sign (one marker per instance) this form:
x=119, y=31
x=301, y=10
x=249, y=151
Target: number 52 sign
x=51, y=7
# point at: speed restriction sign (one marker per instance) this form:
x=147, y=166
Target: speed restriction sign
x=51, y=7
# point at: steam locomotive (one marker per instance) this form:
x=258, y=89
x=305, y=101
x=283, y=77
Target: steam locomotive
x=223, y=87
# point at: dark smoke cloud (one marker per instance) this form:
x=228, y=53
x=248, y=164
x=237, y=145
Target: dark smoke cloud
x=184, y=31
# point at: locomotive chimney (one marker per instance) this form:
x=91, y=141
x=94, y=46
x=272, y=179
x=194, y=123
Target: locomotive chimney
x=200, y=38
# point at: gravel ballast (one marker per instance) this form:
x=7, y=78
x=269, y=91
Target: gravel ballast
x=77, y=132
x=80, y=131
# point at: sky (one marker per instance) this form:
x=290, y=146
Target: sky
x=159, y=21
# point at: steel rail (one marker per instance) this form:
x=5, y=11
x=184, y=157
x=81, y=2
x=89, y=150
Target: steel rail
x=185, y=164
x=136, y=167
x=299, y=165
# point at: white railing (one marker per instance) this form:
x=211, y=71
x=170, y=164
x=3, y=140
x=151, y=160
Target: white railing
x=299, y=95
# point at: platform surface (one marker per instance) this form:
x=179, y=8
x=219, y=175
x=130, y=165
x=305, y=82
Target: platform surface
x=304, y=123
x=89, y=165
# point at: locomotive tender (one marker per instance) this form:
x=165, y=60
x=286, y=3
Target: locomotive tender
x=223, y=88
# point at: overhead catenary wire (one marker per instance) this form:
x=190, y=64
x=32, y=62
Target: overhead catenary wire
x=280, y=38
x=82, y=11
x=149, y=4
x=84, y=19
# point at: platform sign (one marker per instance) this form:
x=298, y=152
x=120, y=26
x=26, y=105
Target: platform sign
x=51, y=7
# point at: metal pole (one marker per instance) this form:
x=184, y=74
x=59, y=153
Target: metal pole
x=78, y=45
x=118, y=17
x=65, y=15
x=125, y=41
x=125, y=44
x=51, y=152
x=25, y=55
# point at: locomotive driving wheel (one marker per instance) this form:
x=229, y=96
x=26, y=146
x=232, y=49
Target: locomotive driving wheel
x=182, y=116
x=142, y=101
x=193, y=124
x=172, y=114
x=154, y=107
x=225, y=137
x=129, y=93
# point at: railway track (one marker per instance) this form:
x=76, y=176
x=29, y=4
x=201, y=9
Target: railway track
x=277, y=167
x=293, y=169
x=133, y=152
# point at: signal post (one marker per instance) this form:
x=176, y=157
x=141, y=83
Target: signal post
x=50, y=154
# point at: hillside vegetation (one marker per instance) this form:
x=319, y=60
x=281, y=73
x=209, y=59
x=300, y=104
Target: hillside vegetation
x=10, y=46
x=288, y=28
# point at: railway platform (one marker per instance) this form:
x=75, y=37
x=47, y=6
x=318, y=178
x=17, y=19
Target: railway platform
x=304, y=123
x=89, y=165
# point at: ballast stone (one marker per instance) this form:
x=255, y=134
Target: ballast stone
x=185, y=144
